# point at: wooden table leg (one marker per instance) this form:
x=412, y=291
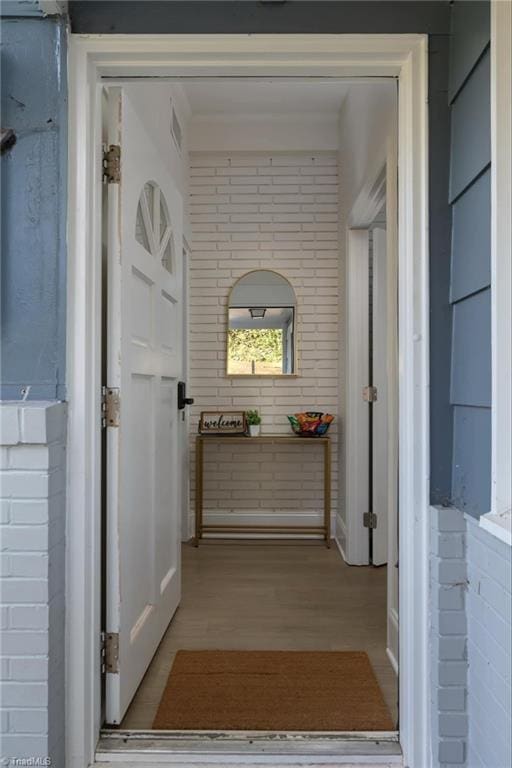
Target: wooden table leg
x=327, y=492
x=199, y=490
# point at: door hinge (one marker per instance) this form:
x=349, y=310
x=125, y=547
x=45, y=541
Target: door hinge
x=370, y=394
x=110, y=406
x=369, y=520
x=111, y=653
x=112, y=164
x=103, y=642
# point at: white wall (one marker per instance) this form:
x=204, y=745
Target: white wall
x=286, y=132
x=274, y=211
x=367, y=118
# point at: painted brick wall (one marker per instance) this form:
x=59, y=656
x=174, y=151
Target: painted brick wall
x=32, y=530
x=489, y=604
x=448, y=585
x=277, y=212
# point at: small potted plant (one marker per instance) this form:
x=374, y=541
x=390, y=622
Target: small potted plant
x=254, y=422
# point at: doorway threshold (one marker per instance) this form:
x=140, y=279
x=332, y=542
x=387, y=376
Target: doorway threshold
x=233, y=748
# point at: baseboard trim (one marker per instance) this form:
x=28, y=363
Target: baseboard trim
x=340, y=549
x=341, y=528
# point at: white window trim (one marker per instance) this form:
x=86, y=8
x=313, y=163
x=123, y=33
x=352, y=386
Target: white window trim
x=94, y=56
x=499, y=520
x=499, y=526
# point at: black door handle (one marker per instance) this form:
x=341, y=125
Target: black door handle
x=183, y=400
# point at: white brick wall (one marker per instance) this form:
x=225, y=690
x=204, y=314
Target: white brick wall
x=471, y=603
x=448, y=585
x=32, y=529
x=270, y=211
x=489, y=604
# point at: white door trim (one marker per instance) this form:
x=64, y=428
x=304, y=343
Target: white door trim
x=501, y=274
x=90, y=57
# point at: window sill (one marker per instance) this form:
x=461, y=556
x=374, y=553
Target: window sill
x=499, y=526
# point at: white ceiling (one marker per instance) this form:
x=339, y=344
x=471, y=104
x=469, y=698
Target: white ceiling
x=259, y=97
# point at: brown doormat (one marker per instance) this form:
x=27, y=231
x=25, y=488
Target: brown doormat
x=272, y=691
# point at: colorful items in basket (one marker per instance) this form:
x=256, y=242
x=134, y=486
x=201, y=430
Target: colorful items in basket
x=311, y=423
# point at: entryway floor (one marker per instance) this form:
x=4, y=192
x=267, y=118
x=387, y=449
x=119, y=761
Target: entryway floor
x=249, y=595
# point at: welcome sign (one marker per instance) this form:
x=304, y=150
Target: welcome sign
x=222, y=423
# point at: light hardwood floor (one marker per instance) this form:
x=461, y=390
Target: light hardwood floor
x=249, y=595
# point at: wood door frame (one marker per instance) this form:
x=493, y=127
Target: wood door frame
x=94, y=56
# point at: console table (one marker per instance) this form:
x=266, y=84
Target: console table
x=324, y=442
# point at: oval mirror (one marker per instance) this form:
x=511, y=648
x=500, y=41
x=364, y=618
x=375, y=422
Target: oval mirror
x=262, y=310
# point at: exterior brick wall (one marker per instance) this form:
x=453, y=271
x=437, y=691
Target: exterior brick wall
x=269, y=211
x=489, y=604
x=449, y=665
x=471, y=633
x=32, y=528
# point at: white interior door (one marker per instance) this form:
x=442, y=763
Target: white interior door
x=144, y=361
x=353, y=535
x=380, y=406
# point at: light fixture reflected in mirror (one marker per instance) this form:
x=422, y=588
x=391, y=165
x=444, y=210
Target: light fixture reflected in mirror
x=257, y=312
x=261, y=336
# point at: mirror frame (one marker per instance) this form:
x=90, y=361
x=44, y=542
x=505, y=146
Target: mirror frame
x=295, y=334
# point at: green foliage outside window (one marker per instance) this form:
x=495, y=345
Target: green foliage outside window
x=261, y=345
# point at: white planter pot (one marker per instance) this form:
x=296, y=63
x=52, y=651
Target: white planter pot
x=254, y=430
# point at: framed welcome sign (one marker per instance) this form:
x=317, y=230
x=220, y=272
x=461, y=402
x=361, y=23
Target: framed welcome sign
x=222, y=423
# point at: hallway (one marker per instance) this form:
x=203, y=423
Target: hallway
x=247, y=595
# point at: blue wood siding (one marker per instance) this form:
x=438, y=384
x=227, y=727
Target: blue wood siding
x=471, y=129
x=471, y=357
x=472, y=459
x=470, y=275
x=470, y=25
x=34, y=209
x=471, y=261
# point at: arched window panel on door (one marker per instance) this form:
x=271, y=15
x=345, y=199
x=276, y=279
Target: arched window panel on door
x=153, y=226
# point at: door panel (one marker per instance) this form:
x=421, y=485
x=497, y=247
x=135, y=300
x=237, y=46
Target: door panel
x=144, y=362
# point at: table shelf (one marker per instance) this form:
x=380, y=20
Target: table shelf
x=201, y=528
